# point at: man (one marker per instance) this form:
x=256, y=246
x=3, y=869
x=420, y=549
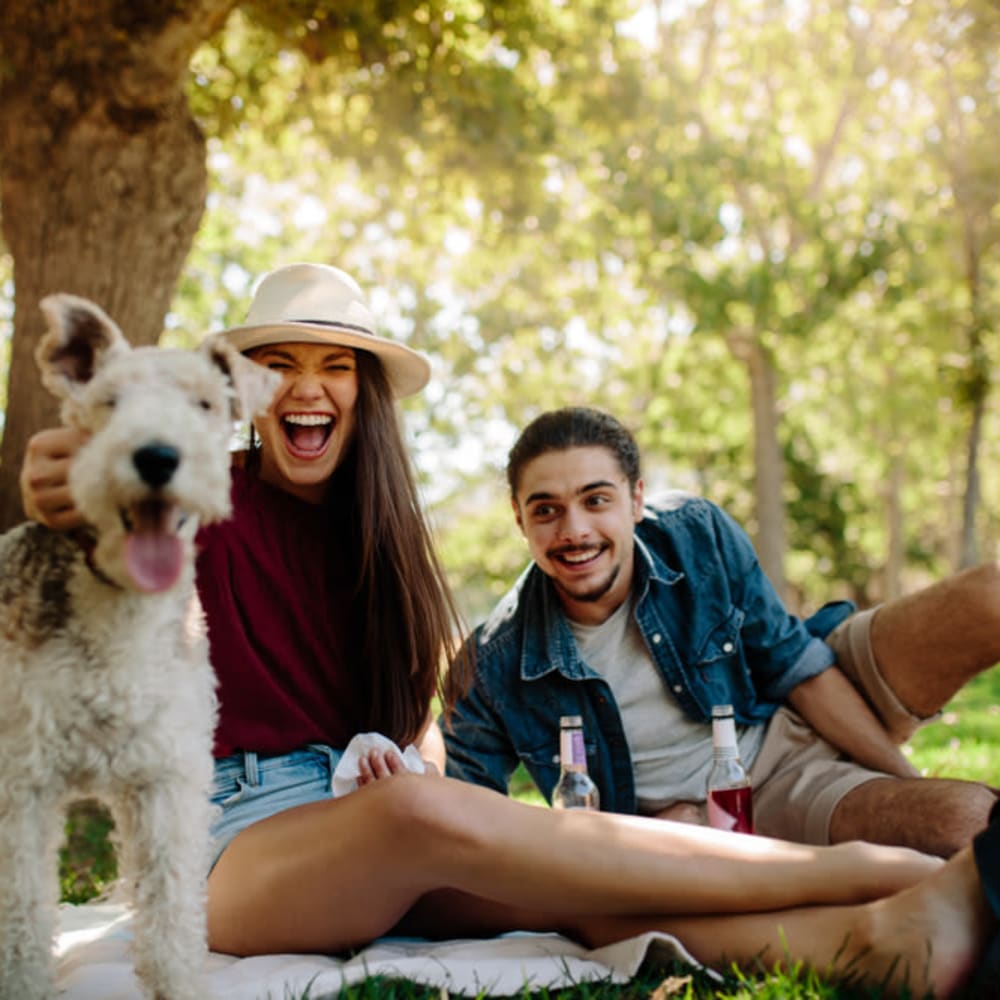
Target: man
x=640, y=617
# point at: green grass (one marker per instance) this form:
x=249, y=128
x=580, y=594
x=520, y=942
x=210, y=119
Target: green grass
x=965, y=743
x=676, y=982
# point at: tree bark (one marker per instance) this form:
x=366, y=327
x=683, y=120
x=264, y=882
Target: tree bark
x=102, y=176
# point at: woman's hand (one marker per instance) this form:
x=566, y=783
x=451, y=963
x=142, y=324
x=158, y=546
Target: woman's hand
x=378, y=764
x=44, y=479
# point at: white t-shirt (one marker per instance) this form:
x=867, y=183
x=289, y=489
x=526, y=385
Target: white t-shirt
x=671, y=754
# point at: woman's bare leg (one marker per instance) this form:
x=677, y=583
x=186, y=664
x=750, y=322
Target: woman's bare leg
x=335, y=874
x=927, y=937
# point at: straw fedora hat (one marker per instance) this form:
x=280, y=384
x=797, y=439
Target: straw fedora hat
x=318, y=304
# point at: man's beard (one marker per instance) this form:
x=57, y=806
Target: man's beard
x=591, y=596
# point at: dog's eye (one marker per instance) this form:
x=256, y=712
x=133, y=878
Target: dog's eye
x=109, y=402
x=204, y=404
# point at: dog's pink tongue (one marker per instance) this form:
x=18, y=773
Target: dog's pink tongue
x=154, y=555
x=154, y=560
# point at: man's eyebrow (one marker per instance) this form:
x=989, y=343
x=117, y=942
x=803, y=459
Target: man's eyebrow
x=598, y=484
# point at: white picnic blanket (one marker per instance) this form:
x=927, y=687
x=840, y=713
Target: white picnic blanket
x=94, y=962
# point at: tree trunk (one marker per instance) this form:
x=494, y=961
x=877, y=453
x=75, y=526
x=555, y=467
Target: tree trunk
x=969, y=555
x=102, y=176
x=769, y=466
x=896, y=554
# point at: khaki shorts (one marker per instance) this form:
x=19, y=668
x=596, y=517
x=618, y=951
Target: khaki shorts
x=798, y=778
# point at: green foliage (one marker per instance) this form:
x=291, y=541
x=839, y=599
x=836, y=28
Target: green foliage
x=87, y=863
x=562, y=207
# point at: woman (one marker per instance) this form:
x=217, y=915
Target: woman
x=328, y=615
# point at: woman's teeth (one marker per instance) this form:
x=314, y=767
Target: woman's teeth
x=308, y=419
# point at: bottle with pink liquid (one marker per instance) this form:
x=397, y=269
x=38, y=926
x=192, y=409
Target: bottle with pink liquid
x=730, y=797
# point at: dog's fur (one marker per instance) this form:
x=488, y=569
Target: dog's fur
x=105, y=683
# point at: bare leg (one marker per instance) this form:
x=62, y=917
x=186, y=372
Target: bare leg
x=929, y=644
x=928, y=936
x=282, y=883
x=934, y=815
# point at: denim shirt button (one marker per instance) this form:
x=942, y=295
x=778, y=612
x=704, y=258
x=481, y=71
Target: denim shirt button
x=657, y=638
x=678, y=688
x=727, y=647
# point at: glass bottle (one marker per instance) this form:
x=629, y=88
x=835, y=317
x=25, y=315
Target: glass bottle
x=575, y=788
x=730, y=797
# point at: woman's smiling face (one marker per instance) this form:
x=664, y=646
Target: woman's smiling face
x=310, y=425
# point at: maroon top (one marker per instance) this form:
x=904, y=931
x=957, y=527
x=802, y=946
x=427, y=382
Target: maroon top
x=278, y=608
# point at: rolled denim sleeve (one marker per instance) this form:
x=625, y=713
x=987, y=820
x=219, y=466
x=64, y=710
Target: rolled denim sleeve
x=780, y=651
x=478, y=749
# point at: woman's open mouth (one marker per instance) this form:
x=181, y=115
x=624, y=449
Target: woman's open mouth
x=307, y=434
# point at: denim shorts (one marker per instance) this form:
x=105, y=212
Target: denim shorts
x=250, y=787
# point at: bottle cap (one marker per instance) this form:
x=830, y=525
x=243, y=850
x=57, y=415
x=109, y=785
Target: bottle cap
x=722, y=711
x=570, y=721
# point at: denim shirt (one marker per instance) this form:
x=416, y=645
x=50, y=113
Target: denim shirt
x=711, y=620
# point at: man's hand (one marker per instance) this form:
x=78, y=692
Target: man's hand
x=835, y=708
x=44, y=479
x=685, y=812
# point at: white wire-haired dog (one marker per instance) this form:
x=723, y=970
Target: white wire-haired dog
x=105, y=683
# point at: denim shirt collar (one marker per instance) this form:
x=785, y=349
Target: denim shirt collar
x=548, y=642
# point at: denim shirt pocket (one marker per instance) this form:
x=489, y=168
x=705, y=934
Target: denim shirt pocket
x=722, y=641
x=720, y=667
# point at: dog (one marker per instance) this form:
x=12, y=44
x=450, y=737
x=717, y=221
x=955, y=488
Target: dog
x=105, y=684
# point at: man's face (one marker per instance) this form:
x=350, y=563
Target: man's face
x=578, y=512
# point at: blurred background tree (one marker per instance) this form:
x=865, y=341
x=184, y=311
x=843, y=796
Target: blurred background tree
x=763, y=232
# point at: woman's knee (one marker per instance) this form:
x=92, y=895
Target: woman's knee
x=426, y=810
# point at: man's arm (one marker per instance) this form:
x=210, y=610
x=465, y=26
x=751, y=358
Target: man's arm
x=478, y=747
x=831, y=704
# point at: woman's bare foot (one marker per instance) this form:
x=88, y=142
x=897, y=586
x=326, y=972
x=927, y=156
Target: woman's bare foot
x=928, y=937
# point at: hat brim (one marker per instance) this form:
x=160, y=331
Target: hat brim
x=408, y=371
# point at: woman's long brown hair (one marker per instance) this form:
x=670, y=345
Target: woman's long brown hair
x=410, y=626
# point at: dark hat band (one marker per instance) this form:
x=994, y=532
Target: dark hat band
x=334, y=325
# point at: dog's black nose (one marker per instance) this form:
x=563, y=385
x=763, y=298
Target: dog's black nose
x=156, y=463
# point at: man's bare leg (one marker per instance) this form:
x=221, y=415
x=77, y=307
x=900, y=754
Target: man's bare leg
x=930, y=643
x=934, y=815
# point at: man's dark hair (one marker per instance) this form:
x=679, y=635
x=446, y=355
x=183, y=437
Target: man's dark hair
x=573, y=427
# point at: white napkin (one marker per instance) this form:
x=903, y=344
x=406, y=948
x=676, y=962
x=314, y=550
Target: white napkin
x=345, y=775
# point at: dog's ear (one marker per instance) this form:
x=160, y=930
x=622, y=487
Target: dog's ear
x=80, y=338
x=253, y=385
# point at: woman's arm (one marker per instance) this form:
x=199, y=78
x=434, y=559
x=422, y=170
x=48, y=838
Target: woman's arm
x=430, y=743
x=380, y=764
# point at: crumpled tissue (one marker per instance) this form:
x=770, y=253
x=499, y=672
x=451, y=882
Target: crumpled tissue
x=346, y=773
